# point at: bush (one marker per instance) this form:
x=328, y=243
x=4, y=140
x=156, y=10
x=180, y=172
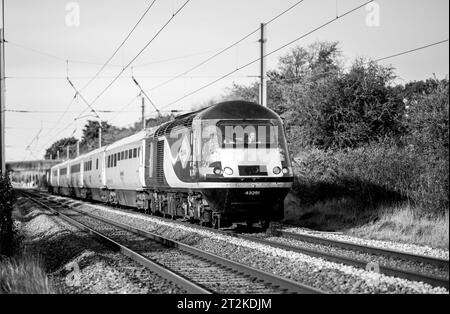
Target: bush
x=374, y=175
x=6, y=225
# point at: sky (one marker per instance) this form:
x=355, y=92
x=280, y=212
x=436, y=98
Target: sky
x=48, y=40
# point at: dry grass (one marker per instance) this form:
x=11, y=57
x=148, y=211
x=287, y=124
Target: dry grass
x=399, y=223
x=402, y=224
x=23, y=275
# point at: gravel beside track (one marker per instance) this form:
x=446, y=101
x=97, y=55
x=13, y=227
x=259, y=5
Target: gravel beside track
x=321, y=274
x=60, y=245
x=403, y=264
x=403, y=247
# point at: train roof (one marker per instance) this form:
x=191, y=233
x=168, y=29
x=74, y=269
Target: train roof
x=228, y=110
x=237, y=109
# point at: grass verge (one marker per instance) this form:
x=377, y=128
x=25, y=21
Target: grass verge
x=23, y=274
x=399, y=222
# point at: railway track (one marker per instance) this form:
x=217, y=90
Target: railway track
x=338, y=258
x=194, y=270
x=438, y=262
x=386, y=270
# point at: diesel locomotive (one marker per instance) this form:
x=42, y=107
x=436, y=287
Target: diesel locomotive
x=222, y=164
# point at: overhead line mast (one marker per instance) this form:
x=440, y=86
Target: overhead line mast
x=2, y=93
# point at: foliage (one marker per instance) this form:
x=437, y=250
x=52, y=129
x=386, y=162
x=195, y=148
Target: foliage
x=60, y=145
x=6, y=223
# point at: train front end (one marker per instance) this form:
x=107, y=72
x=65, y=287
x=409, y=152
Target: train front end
x=242, y=161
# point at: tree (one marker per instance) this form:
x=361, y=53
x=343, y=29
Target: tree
x=90, y=134
x=6, y=222
x=61, y=146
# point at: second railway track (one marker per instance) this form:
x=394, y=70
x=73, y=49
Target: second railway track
x=194, y=270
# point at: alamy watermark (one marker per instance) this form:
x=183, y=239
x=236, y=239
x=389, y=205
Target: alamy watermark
x=373, y=15
x=73, y=278
x=72, y=14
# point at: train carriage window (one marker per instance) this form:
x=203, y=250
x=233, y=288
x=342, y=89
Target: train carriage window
x=126, y=154
x=118, y=156
x=134, y=152
x=115, y=160
x=109, y=161
x=75, y=168
x=130, y=153
x=139, y=151
x=96, y=164
x=121, y=155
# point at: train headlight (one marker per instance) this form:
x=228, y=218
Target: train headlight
x=286, y=170
x=277, y=170
x=228, y=171
x=217, y=171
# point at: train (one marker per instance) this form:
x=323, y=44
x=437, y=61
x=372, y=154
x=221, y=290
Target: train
x=223, y=164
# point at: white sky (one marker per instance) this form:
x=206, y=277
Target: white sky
x=37, y=82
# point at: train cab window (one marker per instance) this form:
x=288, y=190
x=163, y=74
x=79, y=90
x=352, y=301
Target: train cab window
x=134, y=152
x=239, y=135
x=121, y=155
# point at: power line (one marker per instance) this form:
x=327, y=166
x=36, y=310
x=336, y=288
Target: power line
x=270, y=53
x=226, y=48
x=56, y=111
x=49, y=55
x=118, y=48
x=140, y=52
x=145, y=94
x=122, y=77
x=375, y=60
x=178, y=58
x=132, y=60
x=412, y=50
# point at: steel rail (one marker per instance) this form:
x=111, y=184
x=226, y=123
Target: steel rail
x=439, y=262
x=385, y=270
x=273, y=280
x=189, y=286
